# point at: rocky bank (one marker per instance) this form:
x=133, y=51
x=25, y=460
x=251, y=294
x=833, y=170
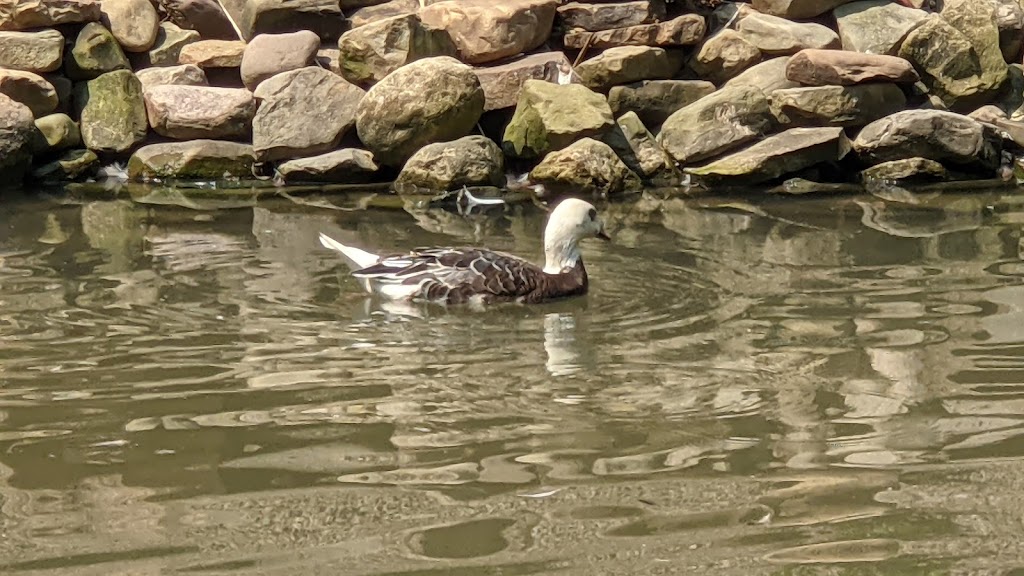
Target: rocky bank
x=586, y=97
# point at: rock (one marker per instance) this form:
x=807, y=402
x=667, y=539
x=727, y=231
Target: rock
x=25, y=14
x=790, y=151
x=195, y=159
x=270, y=54
x=68, y=166
x=322, y=17
x=38, y=52
x=584, y=167
x=1010, y=21
x=468, y=161
x=183, y=75
x=485, y=31
x=213, y=54
x=769, y=76
x=715, y=124
x=685, y=30
x=653, y=101
x=302, y=113
x=836, y=105
x=17, y=131
x=841, y=67
x=378, y=12
x=606, y=16
x=189, y=112
x=134, y=23
x=723, y=56
x=875, y=26
x=796, y=9
x=779, y=37
x=329, y=59
x=551, y=116
x=113, y=117
x=395, y=119
x=345, y=166
x=30, y=89
x=94, y=52
x=906, y=170
x=626, y=64
x=636, y=146
x=203, y=16
x=59, y=131
x=371, y=52
x=170, y=39
x=503, y=83
x=933, y=134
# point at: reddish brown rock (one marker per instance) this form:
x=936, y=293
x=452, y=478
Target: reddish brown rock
x=213, y=53
x=842, y=67
x=270, y=54
x=485, y=31
x=685, y=30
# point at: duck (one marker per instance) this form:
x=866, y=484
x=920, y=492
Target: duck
x=459, y=275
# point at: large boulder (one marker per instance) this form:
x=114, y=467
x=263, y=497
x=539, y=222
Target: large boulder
x=30, y=89
x=278, y=16
x=170, y=39
x=842, y=67
x=430, y=100
x=484, y=30
x=371, y=52
x=204, y=16
x=654, y=101
x=183, y=75
x=188, y=112
x=606, y=16
x=468, y=161
x=40, y=51
x=685, y=30
x=270, y=54
x=24, y=14
x=345, y=166
x=303, y=112
x=796, y=9
x=584, y=167
x=133, y=22
x=723, y=56
x=935, y=134
x=195, y=159
x=715, y=124
x=552, y=116
x=17, y=132
x=791, y=151
x=94, y=52
x=776, y=36
x=836, y=105
x=626, y=64
x=876, y=26
x=213, y=54
x=113, y=115
x=769, y=76
x=502, y=83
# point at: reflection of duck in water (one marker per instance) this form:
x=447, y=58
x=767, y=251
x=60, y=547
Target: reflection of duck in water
x=458, y=275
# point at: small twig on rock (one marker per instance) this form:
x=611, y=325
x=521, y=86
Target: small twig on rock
x=583, y=49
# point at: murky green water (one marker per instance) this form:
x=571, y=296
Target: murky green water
x=787, y=387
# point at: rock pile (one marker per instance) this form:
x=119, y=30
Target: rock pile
x=589, y=97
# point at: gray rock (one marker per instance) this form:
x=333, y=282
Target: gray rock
x=395, y=119
x=170, y=39
x=23, y=15
x=270, y=54
x=58, y=132
x=345, y=166
x=191, y=112
x=30, y=89
x=626, y=64
x=551, y=116
x=654, y=101
x=723, y=56
x=637, y=148
x=584, y=167
x=685, y=30
x=606, y=16
x=371, y=52
x=94, y=52
x=203, y=16
x=769, y=76
x=776, y=36
x=715, y=124
x=502, y=83
x=17, y=131
x=194, y=159
x=791, y=151
x=796, y=9
x=836, y=105
x=907, y=170
x=134, y=23
x=876, y=26
x=842, y=67
x=486, y=31
x=41, y=51
x=183, y=75
x=468, y=161
x=67, y=166
x=323, y=17
x=942, y=136
x=113, y=117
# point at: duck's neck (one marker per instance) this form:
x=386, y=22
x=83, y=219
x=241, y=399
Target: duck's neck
x=560, y=254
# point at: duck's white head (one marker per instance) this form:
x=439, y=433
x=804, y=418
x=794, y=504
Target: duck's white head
x=572, y=220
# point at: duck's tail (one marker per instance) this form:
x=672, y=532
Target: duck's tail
x=355, y=258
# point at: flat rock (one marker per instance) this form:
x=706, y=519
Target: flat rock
x=551, y=116
x=653, y=101
x=213, y=54
x=181, y=75
x=468, y=161
x=170, y=39
x=41, y=51
x=58, y=132
x=769, y=76
x=322, y=17
x=195, y=159
x=723, y=56
x=938, y=135
x=270, y=54
x=68, y=166
x=395, y=119
x=134, y=23
x=30, y=89
x=345, y=166
x=636, y=146
x=776, y=36
x=191, y=112
x=94, y=52
x=204, y=16
x=17, y=132
x=113, y=117
x=370, y=14
x=906, y=170
x=716, y=123
x=626, y=64
x=303, y=112
x=784, y=153
x=485, y=31
x=685, y=30
x=586, y=166
x=26, y=14
x=875, y=26
x=842, y=67
x=606, y=16
x=796, y=9
x=371, y=52
x=502, y=83
x=836, y=105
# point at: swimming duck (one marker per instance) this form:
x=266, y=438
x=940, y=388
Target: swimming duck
x=476, y=275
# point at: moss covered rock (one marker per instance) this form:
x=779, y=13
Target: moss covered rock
x=113, y=115
x=202, y=159
x=585, y=167
x=551, y=116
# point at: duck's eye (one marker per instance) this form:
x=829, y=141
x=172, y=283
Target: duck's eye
x=592, y=214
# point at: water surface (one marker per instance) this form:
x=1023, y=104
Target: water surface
x=780, y=386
